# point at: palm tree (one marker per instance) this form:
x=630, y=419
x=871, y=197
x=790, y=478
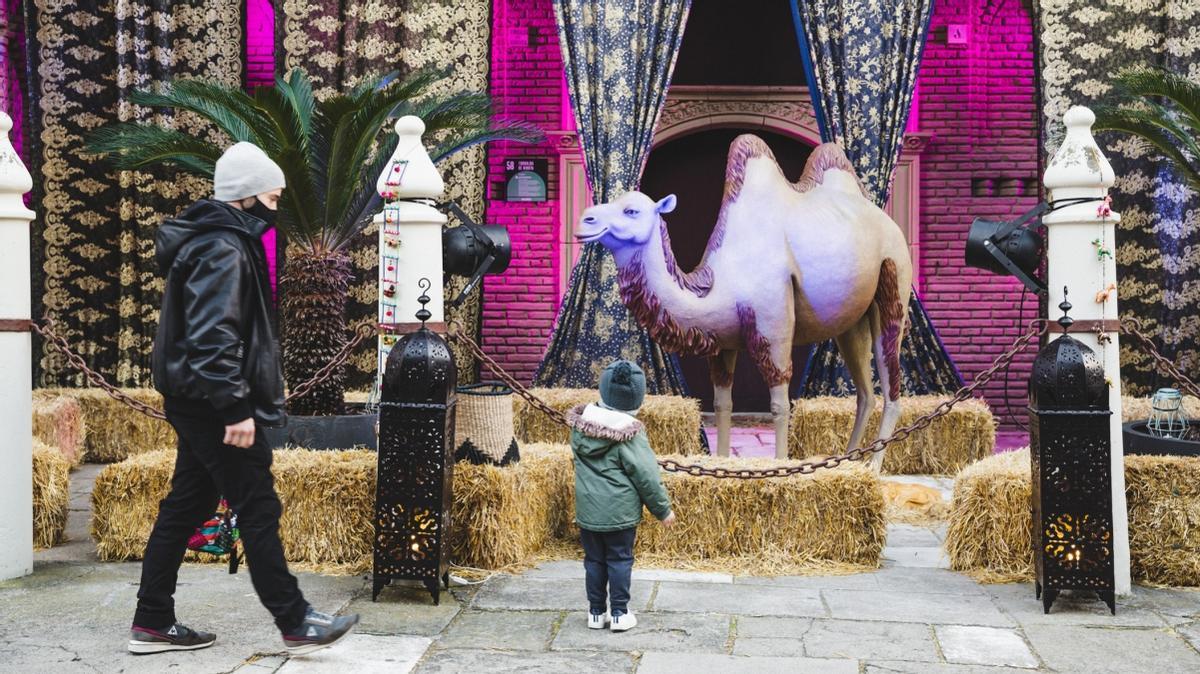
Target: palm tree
x=331, y=152
x=1163, y=109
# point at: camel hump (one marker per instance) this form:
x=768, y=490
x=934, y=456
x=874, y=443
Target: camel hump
x=744, y=148
x=828, y=156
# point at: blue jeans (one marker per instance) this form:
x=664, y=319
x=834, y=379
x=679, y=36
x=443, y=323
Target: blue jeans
x=608, y=563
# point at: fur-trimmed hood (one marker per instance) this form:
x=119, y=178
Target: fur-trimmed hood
x=604, y=426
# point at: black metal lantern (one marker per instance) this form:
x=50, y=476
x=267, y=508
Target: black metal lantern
x=415, y=469
x=1069, y=437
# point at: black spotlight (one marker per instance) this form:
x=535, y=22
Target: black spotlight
x=473, y=250
x=1009, y=247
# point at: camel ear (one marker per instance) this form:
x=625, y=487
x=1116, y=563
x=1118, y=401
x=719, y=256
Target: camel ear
x=666, y=204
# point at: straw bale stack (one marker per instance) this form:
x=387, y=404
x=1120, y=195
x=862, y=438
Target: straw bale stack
x=822, y=426
x=504, y=516
x=116, y=431
x=990, y=519
x=58, y=422
x=51, y=493
x=672, y=423
x=1163, y=496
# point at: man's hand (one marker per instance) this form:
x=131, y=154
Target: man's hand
x=240, y=434
x=669, y=520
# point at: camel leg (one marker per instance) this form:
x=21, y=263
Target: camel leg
x=773, y=357
x=781, y=411
x=720, y=370
x=891, y=302
x=855, y=347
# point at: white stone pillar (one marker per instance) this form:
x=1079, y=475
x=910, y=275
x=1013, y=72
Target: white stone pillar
x=1080, y=256
x=410, y=238
x=16, y=373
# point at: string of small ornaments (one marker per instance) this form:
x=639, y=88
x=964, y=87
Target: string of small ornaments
x=1104, y=211
x=389, y=256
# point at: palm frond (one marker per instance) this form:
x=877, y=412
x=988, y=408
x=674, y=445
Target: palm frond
x=507, y=130
x=1133, y=123
x=130, y=146
x=1141, y=83
x=359, y=210
x=459, y=111
x=228, y=108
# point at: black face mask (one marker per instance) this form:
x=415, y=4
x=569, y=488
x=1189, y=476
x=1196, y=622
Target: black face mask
x=260, y=211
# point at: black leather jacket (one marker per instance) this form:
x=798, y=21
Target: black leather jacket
x=216, y=347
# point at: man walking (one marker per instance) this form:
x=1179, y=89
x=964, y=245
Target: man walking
x=216, y=362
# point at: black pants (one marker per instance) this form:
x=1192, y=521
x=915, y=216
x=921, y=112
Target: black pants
x=206, y=468
x=608, y=564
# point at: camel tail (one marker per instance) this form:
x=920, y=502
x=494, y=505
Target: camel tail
x=891, y=323
x=829, y=156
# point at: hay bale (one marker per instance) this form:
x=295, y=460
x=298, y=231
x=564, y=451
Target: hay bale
x=51, y=494
x=1163, y=497
x=991, y=520
x=328, y=506
x=1137, y=408
x=58, y=422
x=116, y=431
x=502, y=517
x=672, y=422
x=822, y=426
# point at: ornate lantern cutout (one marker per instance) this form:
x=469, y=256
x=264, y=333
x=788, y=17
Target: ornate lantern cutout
x=1167, y=419
x=415, y=469
x=1070, y=440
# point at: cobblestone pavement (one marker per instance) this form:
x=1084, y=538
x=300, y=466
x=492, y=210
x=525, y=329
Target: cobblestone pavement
x=912, y=615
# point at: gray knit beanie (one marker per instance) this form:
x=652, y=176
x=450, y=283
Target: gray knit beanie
x=623, y=386
x=244, y=171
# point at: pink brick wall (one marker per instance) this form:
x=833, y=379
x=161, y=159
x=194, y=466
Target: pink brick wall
x=260, y=43
x=981, y=162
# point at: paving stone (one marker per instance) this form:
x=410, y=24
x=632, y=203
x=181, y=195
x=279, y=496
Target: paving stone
x=925, y=581
x=1070, y=648
x=902, y=667
x=673, y=632
x=1175, y=605
x=914, y=607
x=270, y=663
x=574, y=569
x=853, y=581
x=972, y=645
x=867, y=640
x=922, y=557
x=509, y=630
x=768, y=647
x=546, y=594
x=912, y=536
x=772, y=627
x=674, y=663
x=1191, y=633
x=403, y=609
x=712, y=598
x=1077, y=608
x=362, y=654
x=458, y=660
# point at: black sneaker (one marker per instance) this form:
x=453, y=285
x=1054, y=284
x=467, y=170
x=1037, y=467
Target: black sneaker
x=143, y=640
x=319, y=630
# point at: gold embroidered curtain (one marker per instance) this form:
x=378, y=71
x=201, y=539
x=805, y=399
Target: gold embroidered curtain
x=93, y=239
x=340, y=42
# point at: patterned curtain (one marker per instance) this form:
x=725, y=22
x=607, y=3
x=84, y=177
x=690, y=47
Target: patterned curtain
x=618, y=58
x=341, y=42
x=1083, y=46
x=861, y=59
x=94, y=270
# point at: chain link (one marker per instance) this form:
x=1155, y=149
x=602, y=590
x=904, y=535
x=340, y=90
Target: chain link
x=1134, y=327
x=363, y=332
x=1035, y=329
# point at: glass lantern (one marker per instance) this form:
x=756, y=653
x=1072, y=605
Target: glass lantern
x=1166, y=418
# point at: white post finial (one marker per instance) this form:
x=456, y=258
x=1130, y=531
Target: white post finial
x=1081, y=245
x=16, y=396
x=410, y=238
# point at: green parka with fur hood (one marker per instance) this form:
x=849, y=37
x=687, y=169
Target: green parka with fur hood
x=615, y=471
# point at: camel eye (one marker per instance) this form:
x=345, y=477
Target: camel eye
x=631, y=212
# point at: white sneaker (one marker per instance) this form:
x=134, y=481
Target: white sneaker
x=623, y=622
x=598, y=622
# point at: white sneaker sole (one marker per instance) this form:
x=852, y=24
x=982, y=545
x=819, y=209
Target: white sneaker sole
x=597, y=625
x=147, y=647
x=312, y=648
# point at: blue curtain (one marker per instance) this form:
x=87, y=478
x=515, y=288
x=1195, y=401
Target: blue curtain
x=618, y=57
x=861, y=59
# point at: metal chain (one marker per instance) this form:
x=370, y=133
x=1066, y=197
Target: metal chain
x=1134, y=327
x=1035, y=330
x=46, y=331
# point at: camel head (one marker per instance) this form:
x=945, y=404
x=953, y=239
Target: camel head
x=628, y=221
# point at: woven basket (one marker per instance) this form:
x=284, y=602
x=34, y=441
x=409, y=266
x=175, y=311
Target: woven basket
x=483, y=425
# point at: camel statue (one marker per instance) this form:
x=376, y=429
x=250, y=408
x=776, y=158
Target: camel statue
x=786, y=264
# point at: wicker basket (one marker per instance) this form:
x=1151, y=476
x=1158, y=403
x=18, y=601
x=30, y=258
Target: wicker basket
x=484, y=425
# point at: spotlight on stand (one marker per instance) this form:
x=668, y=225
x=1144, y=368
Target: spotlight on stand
x=473, y=250
x=1009, y=247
